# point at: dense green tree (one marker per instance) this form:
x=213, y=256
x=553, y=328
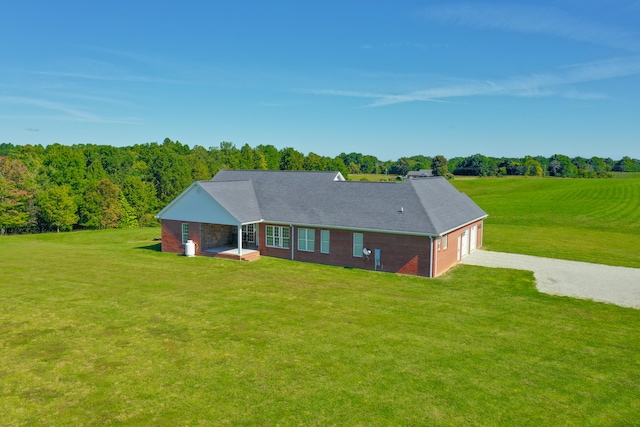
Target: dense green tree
x=561, y=165
x=354, y=168
x=477, y=165
x=291, y=159
x=441, y=166
x=259, y=160
x=531, y=167
x=101, y=205
x=141, y=196
x=510, y=166
x=176, y=146
x=17, y=188
x=271, y=156
x=369, y=164
x=65, y=166
x=627, y=164
x=347, y=159
x=598, y=165
x=402, y=166
x=56, y=208
x=171, y=173
x=205, y=165
x=128, y=219
x=7, y=149
x=229, y=155
x=312, y=162
x=95, y=171
x=246, y=160
x=422, y=162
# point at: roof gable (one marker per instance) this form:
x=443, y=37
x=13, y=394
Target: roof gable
x=219, y=203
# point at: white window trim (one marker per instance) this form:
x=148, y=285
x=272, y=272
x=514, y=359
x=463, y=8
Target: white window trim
x=278, y=236
x=304, y=241
x=358, y=247
x=185, y=236
x=445, y=241
x=324, y=233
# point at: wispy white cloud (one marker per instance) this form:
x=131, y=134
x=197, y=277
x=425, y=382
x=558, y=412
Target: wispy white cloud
x=535, y=20
x=109, y=77
x=533, y=85
x=63, y=112
x=48, y=105
x=397, y=45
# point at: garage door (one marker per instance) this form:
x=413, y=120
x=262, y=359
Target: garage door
x=474, y=238
x=465, y=243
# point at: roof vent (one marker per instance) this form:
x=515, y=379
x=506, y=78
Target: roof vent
x=401, y=210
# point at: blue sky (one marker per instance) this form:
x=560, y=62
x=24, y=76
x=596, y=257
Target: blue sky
x=387, y=78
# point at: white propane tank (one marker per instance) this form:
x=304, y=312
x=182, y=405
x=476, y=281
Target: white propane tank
x=190, y=248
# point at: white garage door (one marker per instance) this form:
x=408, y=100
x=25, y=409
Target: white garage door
x=474, y=238
x=465, y=243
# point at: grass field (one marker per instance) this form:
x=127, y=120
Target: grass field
x=593, y=220
x=99, y=328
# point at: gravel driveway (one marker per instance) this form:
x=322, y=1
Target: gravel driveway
x=615, y=285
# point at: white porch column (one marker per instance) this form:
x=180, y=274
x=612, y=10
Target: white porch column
x=240, y=240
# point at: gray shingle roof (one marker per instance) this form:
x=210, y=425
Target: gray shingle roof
x=237, y=197
x=426, y=206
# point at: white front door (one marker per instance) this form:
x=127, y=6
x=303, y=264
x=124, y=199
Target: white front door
x=474, y=238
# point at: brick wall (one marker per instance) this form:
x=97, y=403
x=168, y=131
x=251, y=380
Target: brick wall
x=398, y=253
x=447, y=258
x=402, y=254
x=172, y=236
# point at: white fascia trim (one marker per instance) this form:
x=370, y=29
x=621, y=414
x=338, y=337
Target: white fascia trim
x=461, y=226
x=252, y=222
x=186, y=191
x=174, y=201
x=357, y=229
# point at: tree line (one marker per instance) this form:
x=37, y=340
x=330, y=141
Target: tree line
x=86, y=186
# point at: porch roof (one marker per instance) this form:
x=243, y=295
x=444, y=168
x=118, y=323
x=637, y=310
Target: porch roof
x=229, y=203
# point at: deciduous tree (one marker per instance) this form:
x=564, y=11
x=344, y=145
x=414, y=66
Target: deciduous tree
x=17, y=188
x=56, y=208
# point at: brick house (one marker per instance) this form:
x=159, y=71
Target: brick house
x=422, y=227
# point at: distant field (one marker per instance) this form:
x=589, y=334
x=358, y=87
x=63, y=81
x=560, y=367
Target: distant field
x=594, y=220
x=371, y=177
x=99, y=328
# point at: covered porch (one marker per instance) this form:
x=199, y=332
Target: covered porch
x=230, y=241
x=219, y=217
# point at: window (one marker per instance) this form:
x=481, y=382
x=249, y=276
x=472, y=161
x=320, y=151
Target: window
x=438, y=243
x=277, y=237
x=357, y=244
x=306, y=239
x=445, y=241
x=185, y=233
x=324, y=241
x=249, y=233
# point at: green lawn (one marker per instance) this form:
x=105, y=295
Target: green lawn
x=99, y=328
x=593, y=220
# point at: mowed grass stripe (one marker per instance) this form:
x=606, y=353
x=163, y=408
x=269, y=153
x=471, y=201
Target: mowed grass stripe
x=593, y=220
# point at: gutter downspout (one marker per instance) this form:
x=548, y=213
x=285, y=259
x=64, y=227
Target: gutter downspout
x=291, y=239
x=431, y=256
x=240, y=240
